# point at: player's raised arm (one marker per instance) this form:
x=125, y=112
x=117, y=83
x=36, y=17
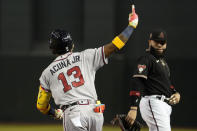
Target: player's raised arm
x=119, y=41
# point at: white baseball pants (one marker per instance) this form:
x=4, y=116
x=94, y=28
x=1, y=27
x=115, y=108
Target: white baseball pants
x=82, y=118
x=156, y=113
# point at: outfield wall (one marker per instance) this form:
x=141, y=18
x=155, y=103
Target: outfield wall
x=20, y=83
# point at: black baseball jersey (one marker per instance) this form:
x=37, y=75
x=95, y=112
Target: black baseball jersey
x=153, y=74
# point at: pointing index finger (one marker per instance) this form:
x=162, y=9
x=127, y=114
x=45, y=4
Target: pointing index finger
x=133, y=8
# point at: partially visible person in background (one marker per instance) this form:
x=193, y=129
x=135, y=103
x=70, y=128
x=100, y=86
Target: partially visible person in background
x=151, y=80
x=69, y=79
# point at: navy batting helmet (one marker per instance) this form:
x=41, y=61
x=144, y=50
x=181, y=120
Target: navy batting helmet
x=60, y=41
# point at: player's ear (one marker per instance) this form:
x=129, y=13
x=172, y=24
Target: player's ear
x=73, y=46
x=149, y=41
x=149, y=45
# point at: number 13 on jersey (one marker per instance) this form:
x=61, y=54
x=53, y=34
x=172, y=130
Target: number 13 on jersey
x=76, y=72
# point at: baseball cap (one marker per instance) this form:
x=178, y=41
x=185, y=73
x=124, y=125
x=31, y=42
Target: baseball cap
x=158, y=35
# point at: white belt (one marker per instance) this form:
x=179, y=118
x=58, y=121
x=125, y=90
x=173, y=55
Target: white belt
x=84, y=102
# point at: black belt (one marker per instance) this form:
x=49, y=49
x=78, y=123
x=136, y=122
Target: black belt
x=165, y=100
x=80, y=102
x=64, y=107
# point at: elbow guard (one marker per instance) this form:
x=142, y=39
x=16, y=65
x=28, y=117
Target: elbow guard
x=43, y=101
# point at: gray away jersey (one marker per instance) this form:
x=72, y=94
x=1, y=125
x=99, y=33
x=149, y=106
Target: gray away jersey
x=70, y=77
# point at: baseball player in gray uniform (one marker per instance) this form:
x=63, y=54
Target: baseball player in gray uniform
x=69, y=79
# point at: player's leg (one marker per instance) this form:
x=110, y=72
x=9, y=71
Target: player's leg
x=73, y=120
x=97, y=122
x=156, y=114
x=82, y=118
x=161, y=112
x=94, y=120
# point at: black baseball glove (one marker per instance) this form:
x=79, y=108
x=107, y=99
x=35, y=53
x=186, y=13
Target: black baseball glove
x=124, y=124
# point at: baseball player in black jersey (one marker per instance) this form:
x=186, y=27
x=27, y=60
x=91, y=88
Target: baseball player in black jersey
x=151, y=82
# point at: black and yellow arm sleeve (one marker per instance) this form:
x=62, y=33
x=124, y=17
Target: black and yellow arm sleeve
x=43, y=100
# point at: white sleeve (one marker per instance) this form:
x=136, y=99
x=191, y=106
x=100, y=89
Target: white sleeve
x=44, y=82
x=95, y=57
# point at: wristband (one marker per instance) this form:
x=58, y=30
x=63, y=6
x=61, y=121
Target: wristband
x=134, y=109
x=134, y=100
x=118, y=42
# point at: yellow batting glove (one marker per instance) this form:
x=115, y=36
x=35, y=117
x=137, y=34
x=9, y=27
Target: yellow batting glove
x=133, y=18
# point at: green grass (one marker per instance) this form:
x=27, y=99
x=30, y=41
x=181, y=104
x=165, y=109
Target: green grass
x=58, y=127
